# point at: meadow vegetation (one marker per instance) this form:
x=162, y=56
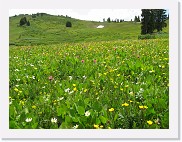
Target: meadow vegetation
x=81, y=77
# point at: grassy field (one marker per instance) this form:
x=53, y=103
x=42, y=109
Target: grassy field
x=100, y=79
x=49, y=29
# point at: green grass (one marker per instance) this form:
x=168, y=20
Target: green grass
x=99, y=76
x=48, y=29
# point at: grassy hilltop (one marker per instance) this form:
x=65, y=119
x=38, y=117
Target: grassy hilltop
x=48, y=29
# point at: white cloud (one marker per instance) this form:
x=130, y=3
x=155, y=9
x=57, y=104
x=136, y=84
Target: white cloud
x=85, y=14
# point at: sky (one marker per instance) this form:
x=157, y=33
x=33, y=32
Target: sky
x=84, y=14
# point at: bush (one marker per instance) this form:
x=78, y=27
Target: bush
x=23, y=21
x=68, y=24
x=147, y=36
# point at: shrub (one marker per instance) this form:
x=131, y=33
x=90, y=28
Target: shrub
x=147, y=36
x=68, y=24
x=23, y=21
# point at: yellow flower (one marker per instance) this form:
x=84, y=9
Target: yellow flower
x=96, y=126
x=75, y=89
x=121, y=89
x=143, y=107
x=115, y=86
x=16, y=89
x=126, y=86
x=74, y=85
x=101, y=126
x=130, y=101
x=125, y=104
x=118, y=75
x=85, y=90
x=111, y=109
x=105, y=73
x=34, y=107
x=150, y=122
x=22, y=102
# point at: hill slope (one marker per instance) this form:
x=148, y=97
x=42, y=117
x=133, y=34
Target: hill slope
x=48, y=29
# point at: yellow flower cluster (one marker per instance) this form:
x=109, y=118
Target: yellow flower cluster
x=111, y=109
x=143, y=107
x=125, y=104
x=98, y=127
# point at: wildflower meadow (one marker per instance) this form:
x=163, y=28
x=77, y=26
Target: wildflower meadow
x=120, y=84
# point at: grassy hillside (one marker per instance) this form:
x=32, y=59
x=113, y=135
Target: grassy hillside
x=47, y=29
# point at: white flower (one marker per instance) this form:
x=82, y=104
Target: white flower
x=28, y=120
x=70, y=77
x=87, y=113
x=53, y=120
x=84, y=77
x=10, y=102
x=17, y=79
x=131, y=93
x=67, y=90
x=33, y=77
x=141, y=90
x=75, y=127
x=31, y=65
x=61, y=98
x=71, y=92
x=17, y=70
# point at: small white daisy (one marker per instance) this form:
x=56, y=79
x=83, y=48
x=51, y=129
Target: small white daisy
x=87, y=113
x=53, y=120
x=28, y=120
x=75, y=127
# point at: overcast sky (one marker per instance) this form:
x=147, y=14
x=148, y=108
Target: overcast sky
x=84, y=14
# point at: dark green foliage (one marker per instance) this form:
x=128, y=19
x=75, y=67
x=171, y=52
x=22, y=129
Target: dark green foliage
x=160, y=19
x=23, y=21
x=68, y=24
x=28, y=23
x=108, y=20
x=33, y=16
x=145, y=21
x=137, y=19
x=153, y=19
x=147, y=36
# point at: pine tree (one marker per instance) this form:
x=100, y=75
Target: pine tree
x=138, y=19
x=108, y=20
x=145, y=21
x=135, y=19
x=153, y=19
x=160, y=19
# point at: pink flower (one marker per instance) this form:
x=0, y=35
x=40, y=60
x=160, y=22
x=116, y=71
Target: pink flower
x=95, y=61
x=83, y=61
x=51, y=78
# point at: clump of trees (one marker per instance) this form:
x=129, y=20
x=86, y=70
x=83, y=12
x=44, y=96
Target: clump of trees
x=116, y=20
x=24, y=21
x=68, y=24
x=153, y=19
x=137, y=19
